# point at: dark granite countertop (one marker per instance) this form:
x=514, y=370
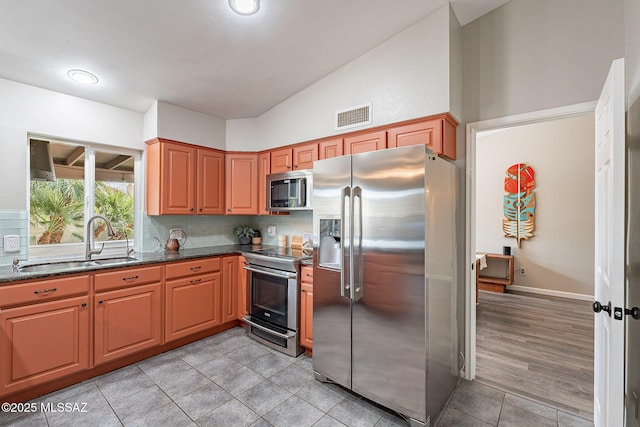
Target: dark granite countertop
x=7, y=274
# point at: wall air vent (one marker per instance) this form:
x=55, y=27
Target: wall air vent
x=353, y=116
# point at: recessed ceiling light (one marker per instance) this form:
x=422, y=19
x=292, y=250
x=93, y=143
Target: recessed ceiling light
x=245, y=7
x=82, y=76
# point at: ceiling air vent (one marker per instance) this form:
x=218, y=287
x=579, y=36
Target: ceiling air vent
x=354, y=116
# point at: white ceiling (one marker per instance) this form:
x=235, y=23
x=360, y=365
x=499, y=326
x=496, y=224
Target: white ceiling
x=198, y=54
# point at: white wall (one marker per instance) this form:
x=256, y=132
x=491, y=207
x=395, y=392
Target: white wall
x=531, y=55
x=405, y=77
x=560, y=256
x=28, y=109
x=181, y=124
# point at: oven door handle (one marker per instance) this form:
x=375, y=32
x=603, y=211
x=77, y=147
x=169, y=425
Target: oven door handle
x=269, y=272
x=286, y=336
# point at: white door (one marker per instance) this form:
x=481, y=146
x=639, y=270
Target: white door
x=608, y=406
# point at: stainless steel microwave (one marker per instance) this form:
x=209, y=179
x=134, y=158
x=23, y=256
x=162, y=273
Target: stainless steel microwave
x=290, y=191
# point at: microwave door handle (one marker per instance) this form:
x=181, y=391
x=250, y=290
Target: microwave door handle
x=299, y=184
x=345, y=270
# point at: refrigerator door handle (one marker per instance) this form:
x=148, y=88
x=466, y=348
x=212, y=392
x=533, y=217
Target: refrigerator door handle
x=345, y=271
x=356, y=246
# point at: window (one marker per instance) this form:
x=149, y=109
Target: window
x=89, y=180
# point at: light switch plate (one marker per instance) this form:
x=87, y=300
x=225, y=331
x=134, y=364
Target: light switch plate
x=271, y=230
x=11, y=243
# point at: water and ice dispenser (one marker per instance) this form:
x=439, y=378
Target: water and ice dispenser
x=329, y=254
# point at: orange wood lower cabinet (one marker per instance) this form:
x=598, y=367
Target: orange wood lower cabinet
x=243, y=291
x=229, y=288
x=43, y=342
x=192, y=304
x=127, y=321
x=306, y=308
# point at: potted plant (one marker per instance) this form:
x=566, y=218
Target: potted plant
x=244, y=233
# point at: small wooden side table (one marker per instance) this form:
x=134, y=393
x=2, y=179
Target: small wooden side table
x=497, y=275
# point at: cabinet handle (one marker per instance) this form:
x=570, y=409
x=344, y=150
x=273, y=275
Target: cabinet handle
x=84, y=304
x=288, y=167
x=45, y=291
x=130, y=279
x=100, y=301
x=309, y=275
x=295, y=166
x=228, y=210
x=197, y=268
x=301, y=290
x=194, y=281
x=191, y=209
x=200, y=209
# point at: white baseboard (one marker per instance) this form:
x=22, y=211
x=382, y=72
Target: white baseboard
x=551, y=293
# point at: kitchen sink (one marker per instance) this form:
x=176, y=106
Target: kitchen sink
x=116, y=260
x=54, y=266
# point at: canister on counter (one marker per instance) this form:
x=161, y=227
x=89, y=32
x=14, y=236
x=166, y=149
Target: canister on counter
x=282, y=241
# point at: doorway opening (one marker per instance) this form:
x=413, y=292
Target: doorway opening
x=514, y=341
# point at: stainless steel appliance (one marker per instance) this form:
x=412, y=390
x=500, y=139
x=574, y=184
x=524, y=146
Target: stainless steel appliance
x=274, y=287
x=290, y=191
x=384, y=304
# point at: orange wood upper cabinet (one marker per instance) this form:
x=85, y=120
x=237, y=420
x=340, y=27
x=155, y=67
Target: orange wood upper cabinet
x=365, y=142
x=306, y=307
x=243, y=291
x=127, y=321
x=43, y=342
x=242, y=184
x=281, y=160
x=438, y=134
x=330, y=148
x=304, y=155
x=264, y=169
x=229, y=288
x=210, y=182
x=183, y=179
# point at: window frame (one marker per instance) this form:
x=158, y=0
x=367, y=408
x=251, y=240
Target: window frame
x=111, y=248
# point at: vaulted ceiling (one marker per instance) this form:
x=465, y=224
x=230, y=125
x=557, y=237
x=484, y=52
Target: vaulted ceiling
x=198, y=54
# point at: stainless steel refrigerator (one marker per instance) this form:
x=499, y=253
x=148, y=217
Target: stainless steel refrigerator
x=385, y=285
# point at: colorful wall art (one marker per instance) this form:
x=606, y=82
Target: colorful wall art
x=519, y=202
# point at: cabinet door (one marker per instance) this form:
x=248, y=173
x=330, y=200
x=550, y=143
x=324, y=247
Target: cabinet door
x=365, y=142
x=281, y=160
x=127, y=321
x=192, y=305
x=243, y=281
x=242, y=184
x=264, y=169
x=210, y=182
x=43, y=342
x=178, y=179
x=306, y=315
x=229, y=288
x=330, y=148
x=438, y=134
x=305, y=155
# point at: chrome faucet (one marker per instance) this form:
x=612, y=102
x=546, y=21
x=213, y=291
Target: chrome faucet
x=90, y=239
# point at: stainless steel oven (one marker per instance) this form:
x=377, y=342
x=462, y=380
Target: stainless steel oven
x=274, y=287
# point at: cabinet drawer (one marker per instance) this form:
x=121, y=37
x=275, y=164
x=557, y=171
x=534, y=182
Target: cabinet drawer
x=127, y=277
x=307, y=274
x=43, y=290
x=189, y=268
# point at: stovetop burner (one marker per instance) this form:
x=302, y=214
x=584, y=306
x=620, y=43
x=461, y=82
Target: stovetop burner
x=285, y=253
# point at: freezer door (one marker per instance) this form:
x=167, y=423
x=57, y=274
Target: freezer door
x=389, y=341
x=331, y=310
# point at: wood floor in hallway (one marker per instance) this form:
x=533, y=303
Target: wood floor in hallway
x=538, y=347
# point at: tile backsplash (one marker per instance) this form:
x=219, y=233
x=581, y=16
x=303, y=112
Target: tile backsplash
x=14, y=222
x=212, y=230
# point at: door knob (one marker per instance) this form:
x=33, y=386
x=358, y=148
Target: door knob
x=633, y=312
x=597, y=307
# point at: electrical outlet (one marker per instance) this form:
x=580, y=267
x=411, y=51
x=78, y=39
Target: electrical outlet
x=271, y=230
x=11, y=243
x=521, y=271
